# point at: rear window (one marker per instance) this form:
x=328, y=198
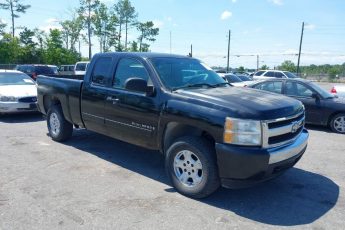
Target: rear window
x=232, y=78
x=43, y=70
x=102, y=71
x=244, y=77
x=290, y=75
x=81, y=66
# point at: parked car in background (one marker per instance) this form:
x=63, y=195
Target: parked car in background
x=338, y=90
x=321, y=107
x=33, y=70
x=245, y=78
x=54, y=68
x=264, y=74
x=81, y=67
x=232, y=79
x=18, y=92
x=66, y=69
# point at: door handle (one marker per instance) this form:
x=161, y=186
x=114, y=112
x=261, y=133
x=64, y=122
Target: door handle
x=113, y=99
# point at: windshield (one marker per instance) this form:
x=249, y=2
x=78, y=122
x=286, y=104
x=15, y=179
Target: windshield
x=81, y=67
x=321, y=91
x=178, y=73
x=15, y=79
x=290, y=75
x=232, y=78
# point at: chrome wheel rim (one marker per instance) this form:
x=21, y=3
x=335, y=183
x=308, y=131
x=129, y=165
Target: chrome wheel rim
x=54, y=124
x=339, y=124
x=188, y=168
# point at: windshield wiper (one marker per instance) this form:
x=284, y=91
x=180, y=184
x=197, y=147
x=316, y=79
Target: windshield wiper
x=194, y=85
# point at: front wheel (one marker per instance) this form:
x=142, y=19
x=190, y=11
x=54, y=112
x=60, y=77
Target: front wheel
x=59, y=128
x=191, y=166
x=337, y=123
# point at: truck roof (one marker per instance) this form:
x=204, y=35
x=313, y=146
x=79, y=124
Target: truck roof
x=143, y=54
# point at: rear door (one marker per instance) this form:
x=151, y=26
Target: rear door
x=94, y=94
x=131, y=116
x=271, y=86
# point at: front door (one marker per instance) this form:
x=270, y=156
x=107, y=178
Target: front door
x=303, y=93
x=131, y=116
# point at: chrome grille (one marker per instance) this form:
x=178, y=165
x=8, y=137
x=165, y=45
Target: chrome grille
x=282, y=131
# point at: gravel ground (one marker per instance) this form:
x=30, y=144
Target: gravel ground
x=94, y=182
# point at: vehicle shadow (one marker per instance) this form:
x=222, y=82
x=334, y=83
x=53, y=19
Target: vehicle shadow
x=21, y=117
x=298, y=197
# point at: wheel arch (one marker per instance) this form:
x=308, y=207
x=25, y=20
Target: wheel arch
x=49, y=101
x=174, y=130
x=332, y=116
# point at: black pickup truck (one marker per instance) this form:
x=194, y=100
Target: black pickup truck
x=210, y=133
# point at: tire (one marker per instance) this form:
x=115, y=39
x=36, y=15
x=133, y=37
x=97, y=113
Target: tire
x=191, y=166
x=337, y=123
x=59, y=128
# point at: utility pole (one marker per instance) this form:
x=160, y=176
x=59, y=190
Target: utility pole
x=227, y=66
x=170, y=41
x=257, y=62
x=300, y=48
x=79, y=45
x=191, y=50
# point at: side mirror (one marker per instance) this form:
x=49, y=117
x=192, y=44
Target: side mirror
x=315, y=95
x=139, y=85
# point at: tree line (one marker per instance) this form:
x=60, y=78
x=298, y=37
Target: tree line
x=111, y=26
x=332, y=71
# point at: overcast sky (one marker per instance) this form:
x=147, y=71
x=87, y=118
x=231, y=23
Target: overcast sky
x=268, y=28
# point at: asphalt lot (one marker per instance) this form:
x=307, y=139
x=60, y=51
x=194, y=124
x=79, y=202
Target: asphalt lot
x=96, y=182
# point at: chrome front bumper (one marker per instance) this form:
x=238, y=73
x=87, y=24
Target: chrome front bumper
x=283, y=153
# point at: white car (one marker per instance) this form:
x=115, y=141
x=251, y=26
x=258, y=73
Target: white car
x=18, y=92
x=81, y=67
x=266, y=74
x=338, y=90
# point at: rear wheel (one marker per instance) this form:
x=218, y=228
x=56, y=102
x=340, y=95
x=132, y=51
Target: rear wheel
x=59, y=128
x=191, y=167
x=337, y=123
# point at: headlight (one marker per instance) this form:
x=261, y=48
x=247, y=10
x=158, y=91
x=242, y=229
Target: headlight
x=242, y=132
x=7, y=99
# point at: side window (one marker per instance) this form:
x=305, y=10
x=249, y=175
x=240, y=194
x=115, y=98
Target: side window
x=272, y=86
x=129, y=68
x=269, y=74
x=279, y=75
x=297, y=89
x=303, y=91
x=259, y=73
x=102, y=71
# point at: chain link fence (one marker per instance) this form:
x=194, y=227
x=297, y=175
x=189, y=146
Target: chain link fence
x=8, y=66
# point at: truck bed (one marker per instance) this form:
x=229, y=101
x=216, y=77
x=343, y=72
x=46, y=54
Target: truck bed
x=66, y=91
x=66, y=76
